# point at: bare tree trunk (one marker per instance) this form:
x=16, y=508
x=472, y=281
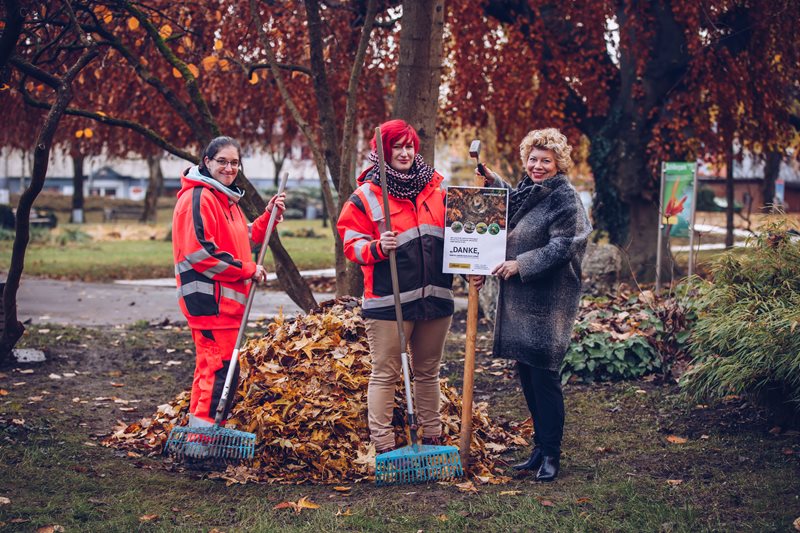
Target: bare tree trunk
x=279, y=159
x=419, y=71
x=729, y=196
x=772, y=167
x=77, y=216
x=155, y=186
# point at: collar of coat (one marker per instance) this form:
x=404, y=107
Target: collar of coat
x=540, y=192
x=194, y=174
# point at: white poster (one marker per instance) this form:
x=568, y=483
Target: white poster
x=475, y=229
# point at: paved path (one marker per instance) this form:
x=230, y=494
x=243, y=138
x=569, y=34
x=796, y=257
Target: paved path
x=106, y=304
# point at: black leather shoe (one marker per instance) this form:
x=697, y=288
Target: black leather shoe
x=533, y=462
x=549, y=469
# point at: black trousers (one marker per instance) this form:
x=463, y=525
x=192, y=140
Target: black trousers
x=542, y=389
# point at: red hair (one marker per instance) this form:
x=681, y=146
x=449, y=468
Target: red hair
x=393, y=131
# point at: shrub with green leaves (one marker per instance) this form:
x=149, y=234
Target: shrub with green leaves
x=746, y=339
x=625, y=337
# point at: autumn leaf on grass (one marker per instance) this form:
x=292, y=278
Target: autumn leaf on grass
x=674, y=482
x=796, y=523
x=346, y=512
x=148, y=518
x=341, y=489
x=510, y=492
x=297, y=507
x=467, y=486
x=4, y=500
x=674, y=439
x=50, y=529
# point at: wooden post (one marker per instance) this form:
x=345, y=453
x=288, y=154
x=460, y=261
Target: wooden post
x=469, y=368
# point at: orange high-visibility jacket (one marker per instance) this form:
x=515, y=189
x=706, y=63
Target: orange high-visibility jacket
x=425, y=291
x=212, y=253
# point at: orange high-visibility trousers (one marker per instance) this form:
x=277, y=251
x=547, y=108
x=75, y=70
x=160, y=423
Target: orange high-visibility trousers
x=214, y=348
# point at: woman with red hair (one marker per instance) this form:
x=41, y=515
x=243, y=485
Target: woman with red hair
x=416, y=205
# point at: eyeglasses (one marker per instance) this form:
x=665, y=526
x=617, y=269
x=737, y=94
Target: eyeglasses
x=224, y=163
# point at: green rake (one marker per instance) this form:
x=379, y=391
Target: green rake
x=215, y=443
x=416, y=463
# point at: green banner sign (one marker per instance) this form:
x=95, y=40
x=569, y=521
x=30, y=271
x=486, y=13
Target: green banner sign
x=677, y=183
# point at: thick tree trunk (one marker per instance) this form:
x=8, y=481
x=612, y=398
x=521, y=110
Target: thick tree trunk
x=77, y=216
x=772, y=167
x=419, y=71
x=155, y=186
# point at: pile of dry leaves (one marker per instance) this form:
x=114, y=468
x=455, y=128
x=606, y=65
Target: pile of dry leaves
x=303, y=393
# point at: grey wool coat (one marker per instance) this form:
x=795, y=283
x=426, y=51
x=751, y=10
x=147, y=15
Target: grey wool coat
x=536, y=309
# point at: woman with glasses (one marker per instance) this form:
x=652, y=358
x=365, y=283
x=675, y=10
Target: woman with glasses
x=214, y=267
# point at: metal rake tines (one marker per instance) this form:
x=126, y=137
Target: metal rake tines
x=425, y=463
x=213, y=442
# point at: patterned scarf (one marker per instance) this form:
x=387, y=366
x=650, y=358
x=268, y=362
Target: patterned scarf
x=520, y=194
x=403, y=185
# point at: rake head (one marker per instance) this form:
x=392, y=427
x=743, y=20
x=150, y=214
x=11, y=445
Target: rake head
x=213, y=443
x=418, y=464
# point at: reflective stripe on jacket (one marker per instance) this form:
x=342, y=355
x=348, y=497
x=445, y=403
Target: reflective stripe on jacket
x=425, y=292
x=212, y=254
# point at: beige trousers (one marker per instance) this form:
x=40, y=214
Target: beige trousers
x=425, y=341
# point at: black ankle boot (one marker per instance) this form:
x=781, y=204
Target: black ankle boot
x=533, y=462
x=549, y=469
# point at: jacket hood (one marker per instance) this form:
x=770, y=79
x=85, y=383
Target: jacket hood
x=193, y=177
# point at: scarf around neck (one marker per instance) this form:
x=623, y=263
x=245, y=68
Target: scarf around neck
x=520, y=194
x=402, y=185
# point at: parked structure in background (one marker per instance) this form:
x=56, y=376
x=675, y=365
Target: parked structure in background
x=748, y=178
x=127, y=178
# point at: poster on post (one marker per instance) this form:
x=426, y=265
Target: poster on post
x=475, y=229
x=677, y=192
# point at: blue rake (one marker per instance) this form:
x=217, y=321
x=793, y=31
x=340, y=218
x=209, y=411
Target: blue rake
x=418, y=464
x=212, y=442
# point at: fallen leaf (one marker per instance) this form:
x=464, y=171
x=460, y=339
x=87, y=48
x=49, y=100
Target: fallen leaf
x=546, y=503
x=148, y=518
x=3, y=392
x=50, y=529
x=305, y=503
x=341, y=489
x=776, y=430
x=442, y=518
x=18, y=421
x=674, y=439
x=583, y=500
x=467, y=486
x=674, y=482
x=26, y=371
x=115, y=384
x=54, y=376
x=4, y=500
x=510, y=492
x=346, y=512
x=796, y=523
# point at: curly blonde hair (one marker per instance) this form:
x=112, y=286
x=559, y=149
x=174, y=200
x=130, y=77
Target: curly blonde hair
x=547, y=139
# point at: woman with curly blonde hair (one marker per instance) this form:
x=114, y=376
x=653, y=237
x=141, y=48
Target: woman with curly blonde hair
x=540, y=286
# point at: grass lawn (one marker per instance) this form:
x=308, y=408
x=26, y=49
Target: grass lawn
x=135, y=251
x=623, y=470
